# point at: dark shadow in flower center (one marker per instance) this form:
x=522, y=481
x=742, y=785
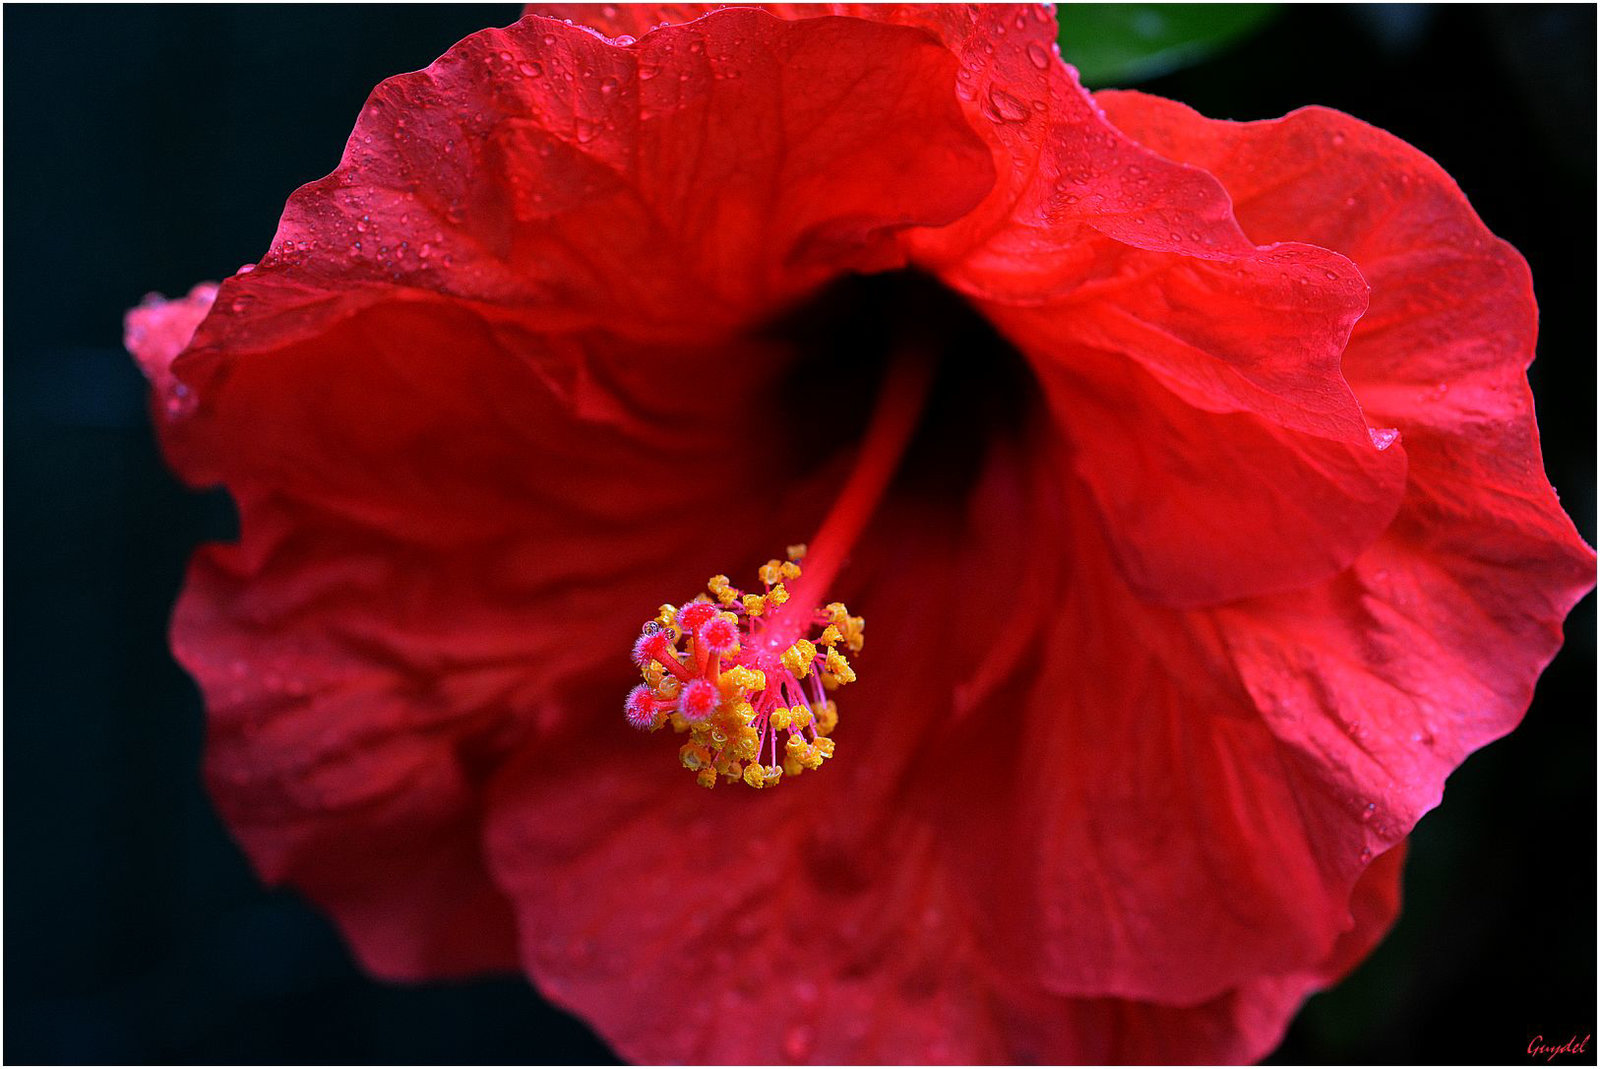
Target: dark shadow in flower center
x=984, y=390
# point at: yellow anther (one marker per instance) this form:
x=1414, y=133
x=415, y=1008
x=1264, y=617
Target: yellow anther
x=839, y=668
x=837, y=613
x=796, y=552
x=706, y=777
x=745, y=678
x=769, y=572
x=667, y=617
x=694, y=756
x=779, y=719
x=770, y=775
x=853, y=628
x=755, y=604
x=830, y=635
x=812, y=758
x=797, y=658
x=752, y=775
x=796, y=745
x=653, y=673
x=824, y=747
x=800, y=717
x=791, y=767
x=789, y=569
x=827, y=719
x=725, y=592
x=778, y=595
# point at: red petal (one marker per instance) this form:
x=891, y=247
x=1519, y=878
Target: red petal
x=492, y=180
x=1430, y=646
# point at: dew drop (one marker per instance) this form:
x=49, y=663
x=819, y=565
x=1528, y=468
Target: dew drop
x=1366, y=855
x=1003, y=107
x=1369, y=812
x=624, y=40
x=1382, y=437
x=1331, y=276
x=1037, y=55
x=646, y=73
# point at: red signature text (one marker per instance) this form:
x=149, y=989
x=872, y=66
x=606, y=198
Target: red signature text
x=1538, y=1046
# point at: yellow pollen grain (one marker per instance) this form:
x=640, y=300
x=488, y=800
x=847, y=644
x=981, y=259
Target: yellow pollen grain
x=778, y=595
x=725, y=592
x=796, y=552
x=827, y=719
x=769, y=572
x=746, y=679
x=797, y=658
x=779, y=719
x=838, y=667
x=752, y=776
x=789, y=569
x=754, y=604
x=706, y=777
x=829, y=636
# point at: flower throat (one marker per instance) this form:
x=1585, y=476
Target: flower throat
x=747, y=675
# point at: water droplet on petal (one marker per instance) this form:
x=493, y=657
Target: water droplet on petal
x=1003, y=107
x=1037, y=55
x=1382, y=437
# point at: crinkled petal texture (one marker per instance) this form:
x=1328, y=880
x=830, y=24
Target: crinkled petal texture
x=1147, y=708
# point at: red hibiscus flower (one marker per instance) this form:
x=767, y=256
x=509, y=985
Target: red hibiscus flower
x=1184, y=471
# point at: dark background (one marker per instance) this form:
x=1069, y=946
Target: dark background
x=150, y=148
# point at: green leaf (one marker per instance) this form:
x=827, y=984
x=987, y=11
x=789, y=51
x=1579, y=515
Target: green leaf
x=1119, y=44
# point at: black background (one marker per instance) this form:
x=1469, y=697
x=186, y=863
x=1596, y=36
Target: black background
x=150, y=148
